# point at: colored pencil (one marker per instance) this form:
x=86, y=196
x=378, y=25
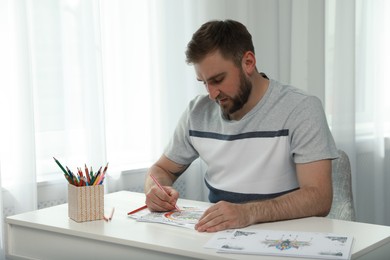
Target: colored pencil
x=136, y=210
x=60, y=165
x=79, y=179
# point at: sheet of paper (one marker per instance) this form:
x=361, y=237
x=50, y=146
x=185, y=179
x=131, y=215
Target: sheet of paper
x=283, y=243
x=187, y=217
x=219, y=239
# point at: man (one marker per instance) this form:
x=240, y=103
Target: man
x=267, y=146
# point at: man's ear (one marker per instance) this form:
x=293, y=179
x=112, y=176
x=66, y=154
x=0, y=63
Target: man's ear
x=249, y=62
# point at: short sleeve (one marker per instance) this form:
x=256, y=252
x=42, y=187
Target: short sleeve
x=310, y=136
x=179, y=148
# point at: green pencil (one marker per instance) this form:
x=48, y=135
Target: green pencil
x=59, y=164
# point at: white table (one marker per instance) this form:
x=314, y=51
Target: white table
x=49, y=234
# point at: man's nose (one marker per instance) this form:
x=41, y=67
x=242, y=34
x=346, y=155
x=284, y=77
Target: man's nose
x=213, y=91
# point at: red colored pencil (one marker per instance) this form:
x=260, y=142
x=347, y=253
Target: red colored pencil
x=136, y=210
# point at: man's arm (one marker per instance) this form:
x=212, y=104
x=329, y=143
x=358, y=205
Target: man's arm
x=166, y=172
x=314, y=198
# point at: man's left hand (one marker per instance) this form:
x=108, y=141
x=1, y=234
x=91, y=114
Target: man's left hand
x=224, y=215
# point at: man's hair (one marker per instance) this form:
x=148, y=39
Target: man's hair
x=230, y=37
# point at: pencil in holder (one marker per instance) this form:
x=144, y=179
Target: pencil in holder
x=85, y=203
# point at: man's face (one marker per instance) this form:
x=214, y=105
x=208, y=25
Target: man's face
x=225, y=83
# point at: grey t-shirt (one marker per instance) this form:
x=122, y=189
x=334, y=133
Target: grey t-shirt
x=255, y=157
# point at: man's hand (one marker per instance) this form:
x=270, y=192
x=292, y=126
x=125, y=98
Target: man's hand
x=165, y=172
x=158, y=200
x=224, y=215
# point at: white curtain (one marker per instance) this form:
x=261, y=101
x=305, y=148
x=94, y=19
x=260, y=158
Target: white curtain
x=357, y=87
x=105, y=81
x=16, y=108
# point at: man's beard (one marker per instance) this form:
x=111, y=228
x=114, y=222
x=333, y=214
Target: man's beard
x=238, y=101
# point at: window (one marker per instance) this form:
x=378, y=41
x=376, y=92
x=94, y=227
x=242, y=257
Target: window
x=92, y=84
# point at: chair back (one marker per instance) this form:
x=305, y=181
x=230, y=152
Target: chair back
x=342, y=205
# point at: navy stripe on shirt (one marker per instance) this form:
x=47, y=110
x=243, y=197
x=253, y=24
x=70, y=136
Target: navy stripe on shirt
x=216, y=195
x=257, y=134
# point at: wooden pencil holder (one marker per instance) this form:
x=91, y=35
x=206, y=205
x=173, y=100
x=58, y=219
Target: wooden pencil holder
x=85, y=203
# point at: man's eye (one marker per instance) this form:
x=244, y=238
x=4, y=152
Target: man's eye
x=217, y=81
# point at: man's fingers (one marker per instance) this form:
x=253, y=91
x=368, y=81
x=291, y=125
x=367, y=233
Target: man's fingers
x=158, y=200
